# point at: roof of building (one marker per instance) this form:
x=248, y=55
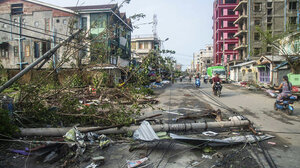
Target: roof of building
x=275, y=58
x=243, y=64
x=91, y=7
x=50, y=6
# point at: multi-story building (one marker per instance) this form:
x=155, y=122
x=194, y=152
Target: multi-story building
x=29, y=28
x=141, y=45
x=203, y=59
x=272, y=16
x=224, y=30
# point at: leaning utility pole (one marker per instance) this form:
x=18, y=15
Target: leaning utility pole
x=45, y=56
x=20, y=39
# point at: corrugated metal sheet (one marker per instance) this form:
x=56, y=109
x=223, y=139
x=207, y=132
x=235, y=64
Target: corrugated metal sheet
x=145, y=132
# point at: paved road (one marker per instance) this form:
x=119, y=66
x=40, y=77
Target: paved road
x=259, y=109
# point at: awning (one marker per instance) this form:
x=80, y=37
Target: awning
x=4, y=43
x=280, y=65
x=260, y=66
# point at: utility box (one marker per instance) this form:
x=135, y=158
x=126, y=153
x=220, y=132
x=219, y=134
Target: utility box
x=294, y=79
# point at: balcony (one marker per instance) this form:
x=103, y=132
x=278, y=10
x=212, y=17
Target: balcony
x=228, y=17
x=228, y=40
x=226, y=5
x=240, y=33
x=241, y=47
x=228, y=29
x=241, y=18
x=240, y=5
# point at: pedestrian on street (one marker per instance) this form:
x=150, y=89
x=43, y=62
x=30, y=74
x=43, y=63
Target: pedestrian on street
x=286, y=87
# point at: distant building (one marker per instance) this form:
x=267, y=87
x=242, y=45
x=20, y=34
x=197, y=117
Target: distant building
x=224, y=30
x=203, y=59
x=273, y=15
x=178, y=67
x=141, y=45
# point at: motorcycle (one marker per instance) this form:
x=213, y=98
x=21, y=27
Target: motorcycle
x=205, y=81
x=198, y=83
x=286, y=104
x=217, y=89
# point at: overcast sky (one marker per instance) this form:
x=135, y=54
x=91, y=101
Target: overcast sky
x=187, y=23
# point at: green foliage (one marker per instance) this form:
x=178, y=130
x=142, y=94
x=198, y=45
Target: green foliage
x=75, y=81
x=7, y=127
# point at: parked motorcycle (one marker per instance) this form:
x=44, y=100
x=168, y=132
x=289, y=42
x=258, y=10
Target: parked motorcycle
x=217, y=89
x=286, y=104
x=197, y=82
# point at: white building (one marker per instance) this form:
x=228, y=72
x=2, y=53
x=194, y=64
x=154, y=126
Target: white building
x=202, y=60
x=141, y=45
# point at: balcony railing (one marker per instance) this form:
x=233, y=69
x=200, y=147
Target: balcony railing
x=239, y=6
x=241, y=32
x=241, y=18
x=240, y=47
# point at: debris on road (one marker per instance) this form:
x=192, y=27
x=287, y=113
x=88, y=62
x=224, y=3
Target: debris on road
x=206, y=156
x=145, y=132
x=210, y=133
x=136, y=163
x=220, y=142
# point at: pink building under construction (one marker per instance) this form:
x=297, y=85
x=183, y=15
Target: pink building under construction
x=224, y=30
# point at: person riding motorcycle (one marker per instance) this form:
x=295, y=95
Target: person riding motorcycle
x=205, y=79
x=215, y=80
x=286, y=87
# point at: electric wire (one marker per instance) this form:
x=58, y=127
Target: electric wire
x=33, y=27
x=268, y=157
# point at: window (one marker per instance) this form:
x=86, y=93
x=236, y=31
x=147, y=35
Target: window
x=231, y=46
x=257, y=51
x=36, y=50
x=27, y=50
x=4, y=49
x=269, y=11
x=230, y=1
x=16, y=51
x=269, y=4
x=140, y=45
x=36, y=24
x=65, y=22
x=257, y=7
x=208, y=61
x=45, y=47
x=84, y=23
x=293, y=20
x=269, y=19
x=24, y=22
x=230, y=35
x=256, y=36
x=293, y=5
x=16, y=22
x=257, y=22
x=230, y=24
x=133, y=45
x=231, y=12
x=5, y=26
x=47, y=24
x=16, y=9
x=269, y=49
x=145, y=45
x=269, y=26
x=57, y=20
